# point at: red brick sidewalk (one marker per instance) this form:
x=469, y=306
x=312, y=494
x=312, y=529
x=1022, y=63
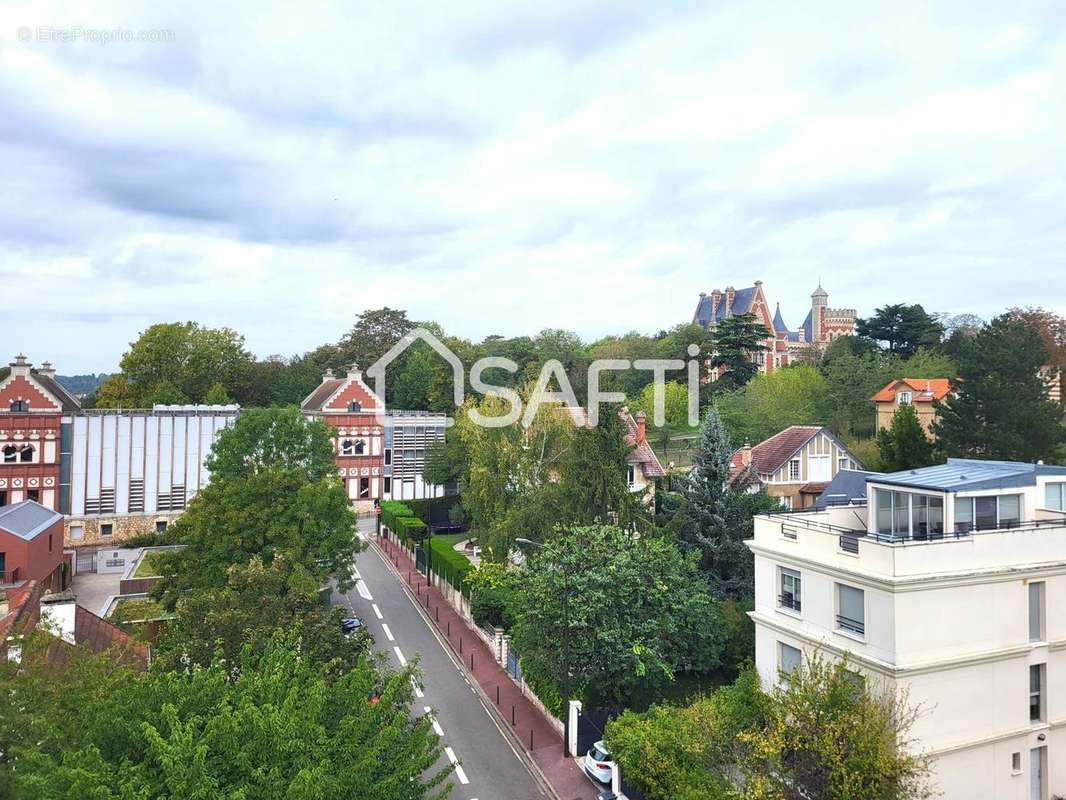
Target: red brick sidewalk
x=537, y=737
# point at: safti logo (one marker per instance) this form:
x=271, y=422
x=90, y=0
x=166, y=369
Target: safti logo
x=551, y=370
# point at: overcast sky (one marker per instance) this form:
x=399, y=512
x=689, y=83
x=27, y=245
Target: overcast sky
x=501, y=168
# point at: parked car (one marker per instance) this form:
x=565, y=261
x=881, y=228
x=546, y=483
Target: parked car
x=598, y=763
x=351, y=625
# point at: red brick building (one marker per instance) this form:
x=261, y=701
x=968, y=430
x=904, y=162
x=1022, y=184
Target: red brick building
x=31, y=544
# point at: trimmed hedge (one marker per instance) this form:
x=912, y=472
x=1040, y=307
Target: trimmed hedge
x=450, y=564
x=391, y=510
x=410, y=529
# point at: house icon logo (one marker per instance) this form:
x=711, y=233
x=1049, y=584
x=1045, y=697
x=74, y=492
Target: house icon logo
x=378, y=368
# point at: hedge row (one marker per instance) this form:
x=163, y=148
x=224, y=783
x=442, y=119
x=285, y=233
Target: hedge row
x=410, y=529
x=391, y=510
x=452, y=565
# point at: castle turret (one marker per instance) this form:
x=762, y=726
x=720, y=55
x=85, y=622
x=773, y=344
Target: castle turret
x=819, y=300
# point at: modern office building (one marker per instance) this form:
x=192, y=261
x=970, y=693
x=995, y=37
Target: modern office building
x=948, y=582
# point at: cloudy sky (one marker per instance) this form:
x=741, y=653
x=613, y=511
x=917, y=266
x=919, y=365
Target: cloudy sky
x=502, y=168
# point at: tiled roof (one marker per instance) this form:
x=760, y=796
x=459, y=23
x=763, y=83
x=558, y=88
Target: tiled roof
x=320, y=395
x=67, y=401
x=768, y=456
x=924, y=390
x=27, y=518
x=99, y=635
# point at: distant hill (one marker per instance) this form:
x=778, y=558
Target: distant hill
x=81, y=385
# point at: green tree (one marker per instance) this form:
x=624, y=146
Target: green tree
x=675, y=404
x=719, y=513
x=773, y=401
x=256, y=600
x=903, y=328
x=265, y=439
x=180, y=362
x=374, y=332
x=828, y=735
x=604, y=614
x=216, y=395
x=273, y=725
x=737, y=341
x=904, y=445
x=446, y=461
x=999, y=407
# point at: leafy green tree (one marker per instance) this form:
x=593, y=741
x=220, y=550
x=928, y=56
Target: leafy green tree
x=374, y=332
x=216, y=395
x=827, y=734
x=904, y=445
x=256, y=600
x=675, y=404
x=274, y=725
x=903, y=328
x=268, y=439
x=604, y=614
x=179, y=363
x=773, y=401
x=999, y=407
x=737, y=339
x=446, y=461
x=719, y=513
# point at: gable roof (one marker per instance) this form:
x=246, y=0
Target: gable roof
x=924, y=390
x=331, y=388
x=50, y=385
x=642, y=452
x=770, y=455
x=27, y=518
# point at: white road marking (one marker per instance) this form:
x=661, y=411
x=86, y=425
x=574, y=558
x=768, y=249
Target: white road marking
x=388, y=633
x=433, y=720
x=458, y=767
x=377, y=611
x=360, y=586
x=399, y=655
x=418, y=692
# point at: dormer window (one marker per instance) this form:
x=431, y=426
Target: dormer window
x=20, y=406
x=904, y=398
x=354, y=406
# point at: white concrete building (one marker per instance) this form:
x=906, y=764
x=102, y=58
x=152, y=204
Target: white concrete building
x=950, y=582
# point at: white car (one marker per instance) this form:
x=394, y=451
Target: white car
x=598, y=763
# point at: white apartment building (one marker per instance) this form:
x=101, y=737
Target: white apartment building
x=950, y=582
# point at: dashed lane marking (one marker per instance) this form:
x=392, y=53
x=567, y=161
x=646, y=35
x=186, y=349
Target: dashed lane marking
x=377, y=611
x=364, y=592
x=388, y=633
x=459, y=773
x=399, y=655
x=418, y=692
x=433, y=721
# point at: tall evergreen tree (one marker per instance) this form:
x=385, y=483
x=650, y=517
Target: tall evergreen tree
x=999, y=408
x=904, y=445
x=719, y=513
x=904, y=328
x=736, y=340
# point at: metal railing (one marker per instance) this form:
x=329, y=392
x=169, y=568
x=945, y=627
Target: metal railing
x=789, y=601
x=10, y=576
x=851, y=625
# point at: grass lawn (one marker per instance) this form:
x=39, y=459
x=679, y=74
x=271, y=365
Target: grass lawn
x=452, y=538
x=147, y=568
x=142, y=608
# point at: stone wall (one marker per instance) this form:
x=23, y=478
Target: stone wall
x=123, y=526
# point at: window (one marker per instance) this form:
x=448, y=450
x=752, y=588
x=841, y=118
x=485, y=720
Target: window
x=903, y=515
x=360, y=447
x=387, y=486
x=1055, y=496
x=49, y=543
x=791, y=586
x=786, y=502
x=843, y=462
x=789, y=659
x=160, y=525
x=989, y=512
x=364, y=488
x=354, y=406
x=851, y=609
x=819, y=468
x=76, y=532
x=3, y=497
x=34, y=495
x=388, y=456
x=10, y=454
x=794, y=469
x=1036, y=611
x=20, y=406
x=904, y=398
x=347, y=447
x=106, y=529
x=629, y=474
x=1036, y=692
x=26, y=456
x=1016, y=763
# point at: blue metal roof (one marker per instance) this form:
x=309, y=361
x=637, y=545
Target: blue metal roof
x=968, y=474
x=779, y=322
x=27, y=518
x=742, y=300
x=848, y=486
x=807, y=328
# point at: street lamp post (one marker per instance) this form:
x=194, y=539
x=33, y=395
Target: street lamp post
x=566, y=645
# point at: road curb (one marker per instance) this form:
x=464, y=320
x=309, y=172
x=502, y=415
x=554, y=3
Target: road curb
x=501, y=722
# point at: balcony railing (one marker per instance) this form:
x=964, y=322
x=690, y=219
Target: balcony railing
x=788, y=601
x=851, y=625
x=10, y=576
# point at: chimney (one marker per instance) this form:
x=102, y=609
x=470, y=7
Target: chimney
x=642, y=427
x=730, y=293
x=745, y=454
x=716, y=299
x=20, y=367
x=327, y=375
x=47, y=370
x=355, y=372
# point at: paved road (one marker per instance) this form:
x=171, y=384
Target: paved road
x=488, y=766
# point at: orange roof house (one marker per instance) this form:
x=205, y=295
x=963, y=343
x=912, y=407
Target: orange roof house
x=917, y=392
